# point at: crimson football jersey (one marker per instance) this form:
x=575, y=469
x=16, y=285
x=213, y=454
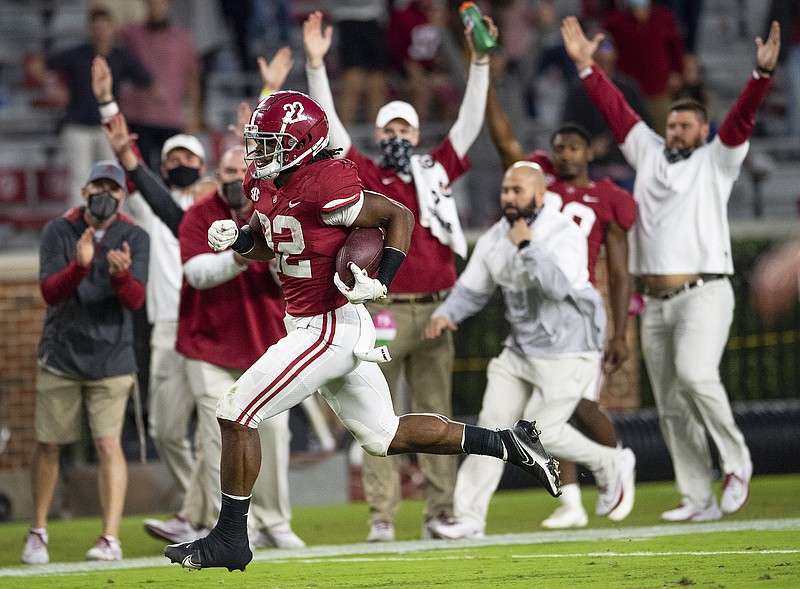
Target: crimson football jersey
x=305, y=246
x=593, y=207
x=429, y=265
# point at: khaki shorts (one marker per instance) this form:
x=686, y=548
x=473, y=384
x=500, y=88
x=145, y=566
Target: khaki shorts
x=59, y=401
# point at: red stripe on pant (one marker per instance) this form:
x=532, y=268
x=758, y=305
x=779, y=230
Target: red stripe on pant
x=291, y=371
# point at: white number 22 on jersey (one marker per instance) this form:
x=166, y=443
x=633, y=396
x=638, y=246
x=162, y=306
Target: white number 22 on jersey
x=286, y=249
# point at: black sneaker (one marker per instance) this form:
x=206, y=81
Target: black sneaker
x=526, y=451
x=209, y=552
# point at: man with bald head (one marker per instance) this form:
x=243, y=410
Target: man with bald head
x=538, y=257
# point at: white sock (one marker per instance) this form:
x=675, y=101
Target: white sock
x=571, y=495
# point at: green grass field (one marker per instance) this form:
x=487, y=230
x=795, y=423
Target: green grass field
x=759, y=547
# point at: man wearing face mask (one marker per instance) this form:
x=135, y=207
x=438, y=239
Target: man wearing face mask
x=421, y=183
x=93, y=270
x=538, y=257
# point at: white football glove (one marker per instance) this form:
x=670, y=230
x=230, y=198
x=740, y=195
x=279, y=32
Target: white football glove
x=222, y=234
x=365, y=288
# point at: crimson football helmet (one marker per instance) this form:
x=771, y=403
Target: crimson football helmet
x=286, y=129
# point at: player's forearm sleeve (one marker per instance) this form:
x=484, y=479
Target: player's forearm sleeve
x=738, y=124
x=610, y=102
x=390, y=264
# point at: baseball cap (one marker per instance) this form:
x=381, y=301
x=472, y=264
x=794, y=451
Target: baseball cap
x=188, y=142
x=397, y=109
x=111, y=170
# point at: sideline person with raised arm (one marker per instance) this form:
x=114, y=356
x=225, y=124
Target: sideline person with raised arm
x=680, y=248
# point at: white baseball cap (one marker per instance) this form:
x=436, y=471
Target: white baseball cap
x=187, y=142
x=397, y=109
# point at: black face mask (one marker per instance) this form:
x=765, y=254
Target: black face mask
x=102, y=205
x=396, y=153
x=676, y=155
x=233, y=195
x=182, y=176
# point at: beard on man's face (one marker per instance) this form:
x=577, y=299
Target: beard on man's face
x=512, y=213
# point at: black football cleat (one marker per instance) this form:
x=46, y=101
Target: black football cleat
x=526, y=451
x=209, y=553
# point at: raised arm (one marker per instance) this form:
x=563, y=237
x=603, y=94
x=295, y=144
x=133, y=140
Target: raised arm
x=502, y=133
x=470, y=115
x=317, y=42
x=738, y=124
x=123, y=144
x=149, y=185
x=609, y=100
x=273, y=75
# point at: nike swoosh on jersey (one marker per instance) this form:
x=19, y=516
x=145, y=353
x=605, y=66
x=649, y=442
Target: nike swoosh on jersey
x=386, y=181
x=588, y=198
x=293, y=204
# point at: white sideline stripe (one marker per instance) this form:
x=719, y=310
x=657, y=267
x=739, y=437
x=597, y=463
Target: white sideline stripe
x=543, y=537
x=379, y=558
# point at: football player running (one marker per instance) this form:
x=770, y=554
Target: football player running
x=306, y=202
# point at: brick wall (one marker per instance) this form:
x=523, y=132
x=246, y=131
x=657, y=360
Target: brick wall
x=22, y=312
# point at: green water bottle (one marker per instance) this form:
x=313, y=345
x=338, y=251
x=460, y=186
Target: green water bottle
x=481, y=37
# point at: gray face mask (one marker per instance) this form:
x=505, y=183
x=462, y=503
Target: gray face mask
x=102, y=205
x=233, y=195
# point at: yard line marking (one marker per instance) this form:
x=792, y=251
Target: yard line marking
x=399, y=548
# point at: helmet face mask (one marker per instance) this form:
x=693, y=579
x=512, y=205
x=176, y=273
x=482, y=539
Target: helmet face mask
x=286, y=130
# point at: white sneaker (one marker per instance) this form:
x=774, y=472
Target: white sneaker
x=567, y=516
x=444, y=527
x=381, y=531
x=686, y=512
x=35, y=549
x=175, y=530
x=736, y=489
x=277, y=537
x=616, y=500
x=107, y=548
